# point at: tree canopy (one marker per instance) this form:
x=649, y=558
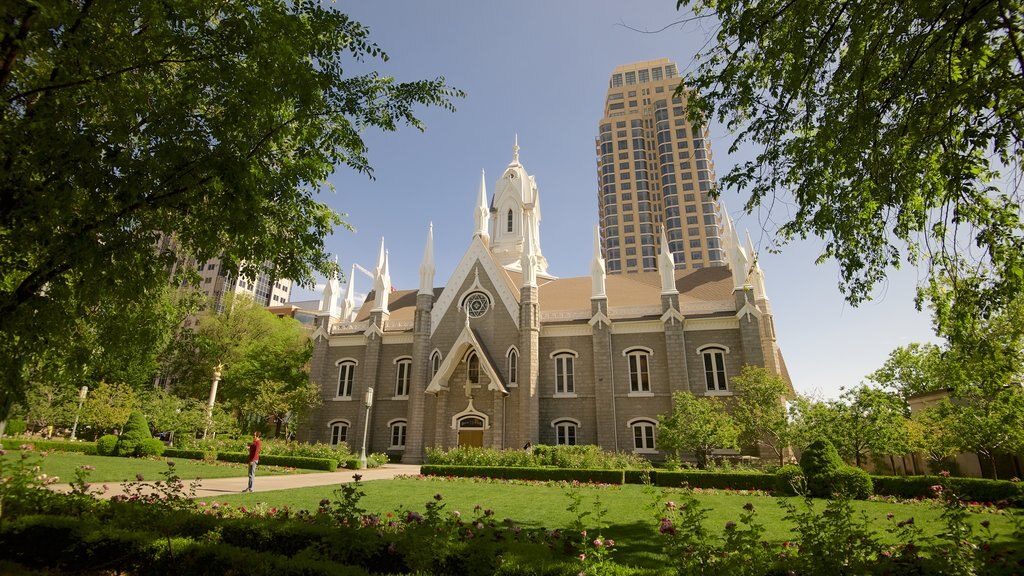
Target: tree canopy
x=894, y=129
x=214, y=122
x=697, y=424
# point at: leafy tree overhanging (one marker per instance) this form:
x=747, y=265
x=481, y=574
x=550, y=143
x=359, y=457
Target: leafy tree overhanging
x=215, y=122
x=896, y=128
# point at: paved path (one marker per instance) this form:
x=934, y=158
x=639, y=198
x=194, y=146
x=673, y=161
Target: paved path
x=224, y=486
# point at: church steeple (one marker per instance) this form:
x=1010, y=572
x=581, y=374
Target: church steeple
x=332, y=289
x=514, y=210
x=597, y=269
x=481, y=213
x=382, y=283
x=348, y=305
x=667, y=267
x=427, y=266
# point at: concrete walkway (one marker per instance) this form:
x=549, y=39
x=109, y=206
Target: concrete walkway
x=225, y=486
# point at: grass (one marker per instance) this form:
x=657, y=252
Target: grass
x=630, y=516
x=117, y=469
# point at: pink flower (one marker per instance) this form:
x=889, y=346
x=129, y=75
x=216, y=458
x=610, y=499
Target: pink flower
x=583, y=557
x=944, y=473
x=598, y=543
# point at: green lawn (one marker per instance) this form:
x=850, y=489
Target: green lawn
x=630, y=518
x=116, y=469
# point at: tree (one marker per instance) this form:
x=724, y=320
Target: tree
x=108, y=407
x=872, y=421
x=252, y=347
x=913, y=369
x=280, y=400
x=215, y=124
x=986, y=424
x=896, y=127
x=760, y=410
x=173, y=414
x=699, y=425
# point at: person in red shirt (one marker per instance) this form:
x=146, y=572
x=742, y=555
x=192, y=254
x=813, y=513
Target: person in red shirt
x=254, y=458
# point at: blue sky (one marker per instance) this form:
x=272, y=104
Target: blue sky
x=539, y=69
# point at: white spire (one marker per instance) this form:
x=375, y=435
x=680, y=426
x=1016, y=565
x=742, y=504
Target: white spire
x=738, y=260
x=756, y=274
x=482, y=212
x=528, y=261
x=515, y=150
x=597, y=270
x=427, y=266
x=332, y=289
x=380, y=259
x=667, y=267
x=382, y=286
x=348, y=305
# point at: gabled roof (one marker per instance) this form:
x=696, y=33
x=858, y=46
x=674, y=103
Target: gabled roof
x=466, y=341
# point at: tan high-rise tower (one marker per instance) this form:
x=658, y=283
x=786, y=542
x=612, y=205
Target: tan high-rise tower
x=654, y=172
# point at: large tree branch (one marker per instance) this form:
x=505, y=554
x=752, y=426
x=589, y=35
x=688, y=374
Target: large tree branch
x=9, y=47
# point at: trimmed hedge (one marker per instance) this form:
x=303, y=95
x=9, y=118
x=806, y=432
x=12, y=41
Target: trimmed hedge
x=291, y=461
x=510, y=473
x=189, y=454
x=969, y=489
x=722, y=480
x=52, y=445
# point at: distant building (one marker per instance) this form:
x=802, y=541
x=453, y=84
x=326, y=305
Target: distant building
x=504, y=354
x=654, y=171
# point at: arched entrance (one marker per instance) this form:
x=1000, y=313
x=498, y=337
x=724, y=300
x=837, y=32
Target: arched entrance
x=471, y=432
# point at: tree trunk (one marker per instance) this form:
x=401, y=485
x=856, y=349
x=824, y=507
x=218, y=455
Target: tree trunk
x=992, y=462
x=892, y=462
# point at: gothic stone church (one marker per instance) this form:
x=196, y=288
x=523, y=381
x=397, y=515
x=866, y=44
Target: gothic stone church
x=505, y=354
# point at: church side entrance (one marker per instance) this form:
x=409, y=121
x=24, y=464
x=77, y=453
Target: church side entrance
x=471, y=432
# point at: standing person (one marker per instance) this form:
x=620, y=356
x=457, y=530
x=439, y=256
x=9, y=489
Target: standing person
x=254, y=458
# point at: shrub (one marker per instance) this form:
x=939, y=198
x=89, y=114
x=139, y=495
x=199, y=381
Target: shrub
x=135, y=431
x=727, y=480
x=970, y=489
x=106, y=445
x=150, y=447
x=189, y=454
x=819, y=462
x=509, y=473
x=15, y=427
x=789, y=480
x=328, y=464
x=851, y=482
x=57, y=446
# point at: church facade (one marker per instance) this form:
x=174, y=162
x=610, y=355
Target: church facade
x=505, y=354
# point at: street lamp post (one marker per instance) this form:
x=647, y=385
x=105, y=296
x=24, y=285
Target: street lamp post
x=81, y=400
x=213, y=398
x=368, y=402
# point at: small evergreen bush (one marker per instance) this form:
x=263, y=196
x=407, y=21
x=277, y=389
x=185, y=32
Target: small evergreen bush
x=188, y=454
x=107, y=445
x=135, y=431
x=820, y=461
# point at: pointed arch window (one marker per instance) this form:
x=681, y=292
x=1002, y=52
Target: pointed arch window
x=473, y=368
x=435, y=363
x=508, y=219
x=513, y=367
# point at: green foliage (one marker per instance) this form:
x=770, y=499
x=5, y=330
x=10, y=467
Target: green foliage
x=135, y=432
x=760, y=410
x=912, y=369
x=108, y=407
x=820, y=461
x=698, y=425
x=833, y=541
x=107, y=445
x=184, y=130
x=724, y=480
x=328, y=464
x=968, y=489
x=790, y=480
x=189, y=454
x=150, y=447
x=14, y=427
x=579, y=475
x=851, y=482
x=830, y=96
x=55, y=445
x=582, y=456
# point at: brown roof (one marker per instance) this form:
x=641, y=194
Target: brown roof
x=564, y=294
